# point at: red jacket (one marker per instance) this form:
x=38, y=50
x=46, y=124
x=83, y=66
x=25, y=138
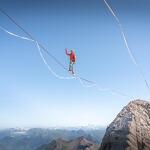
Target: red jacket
x=71, y=55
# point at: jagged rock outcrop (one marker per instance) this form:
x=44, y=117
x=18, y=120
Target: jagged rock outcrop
x=130, y=130
x=77, y=144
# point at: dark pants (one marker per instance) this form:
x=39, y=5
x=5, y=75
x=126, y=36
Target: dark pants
x=71, y=66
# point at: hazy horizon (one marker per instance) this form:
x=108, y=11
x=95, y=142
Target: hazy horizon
x=88, y=127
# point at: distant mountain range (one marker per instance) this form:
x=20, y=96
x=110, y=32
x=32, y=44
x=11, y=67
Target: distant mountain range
x=31, y=139
x=76, y=144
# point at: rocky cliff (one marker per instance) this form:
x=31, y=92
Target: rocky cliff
x=130, y=130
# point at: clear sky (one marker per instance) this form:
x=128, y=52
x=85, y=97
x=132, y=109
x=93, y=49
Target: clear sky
x=31, y=97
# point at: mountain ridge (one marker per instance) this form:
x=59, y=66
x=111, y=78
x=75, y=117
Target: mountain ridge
x=80, y=143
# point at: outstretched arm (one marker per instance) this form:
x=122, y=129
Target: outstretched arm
x=67, y=51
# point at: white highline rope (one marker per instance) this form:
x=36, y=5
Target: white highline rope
x=127, y=46
x=66, y=78
x=21, y=37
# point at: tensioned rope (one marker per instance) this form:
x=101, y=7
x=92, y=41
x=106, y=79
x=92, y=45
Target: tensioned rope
x=56, y=75
x=114, y=92
x=44, y=60
x=33, y=39
x=41, y=55
x=39, y=46
x=133, y=58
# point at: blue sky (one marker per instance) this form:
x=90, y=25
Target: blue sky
x=31, y=97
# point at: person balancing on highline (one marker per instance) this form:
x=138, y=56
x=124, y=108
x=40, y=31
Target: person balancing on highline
x=72, y=57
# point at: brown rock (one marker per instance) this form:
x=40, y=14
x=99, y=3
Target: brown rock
x=130, y=130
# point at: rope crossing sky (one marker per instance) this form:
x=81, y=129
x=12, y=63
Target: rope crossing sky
x=133, y=58
x=82, y=80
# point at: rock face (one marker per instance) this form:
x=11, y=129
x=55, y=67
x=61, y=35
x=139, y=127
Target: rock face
x=130, y=130
x=77, y=144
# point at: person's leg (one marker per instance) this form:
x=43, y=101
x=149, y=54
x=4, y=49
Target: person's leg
x=70, y=66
